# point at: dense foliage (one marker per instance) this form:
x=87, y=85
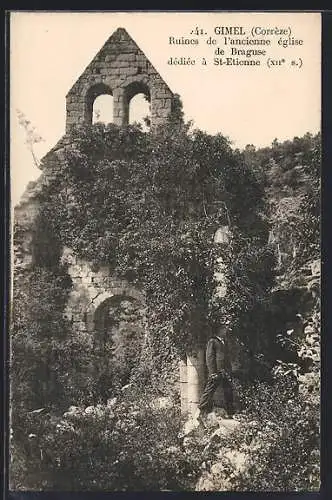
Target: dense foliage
x=276, y=447
x=42, y=349
x=290, y=171
x=130, y=444
x=149, y=207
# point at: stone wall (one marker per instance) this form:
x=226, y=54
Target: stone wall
x=122, y=70
x=90, y=288
x=24, y=218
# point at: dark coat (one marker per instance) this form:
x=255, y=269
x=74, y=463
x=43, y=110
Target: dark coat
x=218, y=356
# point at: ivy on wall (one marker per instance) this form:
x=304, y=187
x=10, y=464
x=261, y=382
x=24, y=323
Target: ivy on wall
x=148, y=206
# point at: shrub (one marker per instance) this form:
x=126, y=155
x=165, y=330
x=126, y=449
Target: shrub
x=157, y=230
x=286, y=452
x=127, y=445
x=277, y=446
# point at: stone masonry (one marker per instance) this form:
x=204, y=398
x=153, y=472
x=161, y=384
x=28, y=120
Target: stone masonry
x=90, y=289
x=122, y=70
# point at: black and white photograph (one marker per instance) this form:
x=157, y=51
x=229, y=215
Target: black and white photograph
x=165, y=299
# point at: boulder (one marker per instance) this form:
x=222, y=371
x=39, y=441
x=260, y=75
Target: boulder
x=219, y=477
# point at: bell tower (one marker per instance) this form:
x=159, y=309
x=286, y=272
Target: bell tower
x=122, y=70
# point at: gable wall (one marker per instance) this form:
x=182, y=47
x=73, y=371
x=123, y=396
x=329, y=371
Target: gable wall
x=122, y=70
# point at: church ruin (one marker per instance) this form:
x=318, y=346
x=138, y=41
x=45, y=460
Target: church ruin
x=122, y=70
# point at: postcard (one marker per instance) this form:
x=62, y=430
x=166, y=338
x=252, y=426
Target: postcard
x=165, y=292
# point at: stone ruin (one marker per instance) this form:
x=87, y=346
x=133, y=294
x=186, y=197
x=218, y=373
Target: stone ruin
x=122, y=70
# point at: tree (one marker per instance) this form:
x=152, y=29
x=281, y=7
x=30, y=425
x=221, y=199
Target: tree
x=290, y=171
x=31, y=136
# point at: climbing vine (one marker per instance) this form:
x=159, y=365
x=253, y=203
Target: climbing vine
x=148, y=206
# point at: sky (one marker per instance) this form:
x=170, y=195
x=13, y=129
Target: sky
x=250, y=105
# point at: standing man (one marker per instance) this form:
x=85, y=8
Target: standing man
x=219, y=372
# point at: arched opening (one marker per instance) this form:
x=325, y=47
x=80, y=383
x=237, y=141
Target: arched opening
x=102, y=110
x=140, y=111
x=118, y=338
x=138, y=102
x=98, y=103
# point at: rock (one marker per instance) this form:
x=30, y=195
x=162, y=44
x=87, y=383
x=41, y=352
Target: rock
x=226, y=426
x=219, y=418
x=72, y=410
x=190, y=425
x=125, y=387
x=205, y=483
x=217, y=468
x=237, y=459
x=213, y=417
x=162, y=402
x=37, y=412
x=111, y=402
x=219, y=478
x=315, y=267
x=89, y=410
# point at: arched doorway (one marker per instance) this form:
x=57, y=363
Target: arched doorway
x=118, y=339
